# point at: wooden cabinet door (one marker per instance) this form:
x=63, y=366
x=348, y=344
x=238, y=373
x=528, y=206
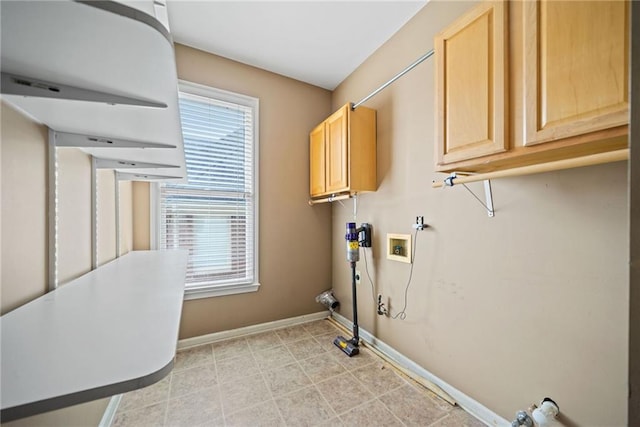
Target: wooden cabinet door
x=337, y=151
x=317, y=161
x=576, y=62
x=471, y=82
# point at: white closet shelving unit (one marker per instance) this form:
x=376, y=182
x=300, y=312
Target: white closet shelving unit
x=117, y=65
x=102, y=77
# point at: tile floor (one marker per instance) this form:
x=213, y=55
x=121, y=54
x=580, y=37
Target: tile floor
x=293, y=376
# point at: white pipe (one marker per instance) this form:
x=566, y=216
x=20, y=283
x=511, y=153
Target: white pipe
x=545, y=415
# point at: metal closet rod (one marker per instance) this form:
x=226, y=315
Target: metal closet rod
x=393, y=79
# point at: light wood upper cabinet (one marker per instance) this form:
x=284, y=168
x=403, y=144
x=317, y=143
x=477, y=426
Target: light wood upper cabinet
x=337, y=151
x=471, y=76
x=342, y=152
x=576, y=68
x=316, y=160
x=561, y=91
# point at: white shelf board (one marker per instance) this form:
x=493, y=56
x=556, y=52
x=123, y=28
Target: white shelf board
x=112, y=330
x=99, y=49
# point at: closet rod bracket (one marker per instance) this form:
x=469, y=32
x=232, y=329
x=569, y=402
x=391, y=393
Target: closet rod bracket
x=489, y=198
x=488, y=195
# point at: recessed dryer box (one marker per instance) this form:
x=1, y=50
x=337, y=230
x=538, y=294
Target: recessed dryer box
x=399, y=247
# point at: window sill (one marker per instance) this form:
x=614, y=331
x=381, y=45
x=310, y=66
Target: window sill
x=219, y=291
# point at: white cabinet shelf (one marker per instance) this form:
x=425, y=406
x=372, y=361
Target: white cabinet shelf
x=95, y=47
x=112, y=330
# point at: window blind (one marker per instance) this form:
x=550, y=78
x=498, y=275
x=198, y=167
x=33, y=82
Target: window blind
x=213, y=216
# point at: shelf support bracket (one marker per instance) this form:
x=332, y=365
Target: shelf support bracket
x=488, y=196
x=116, y=182
x=94, y=213
x=52, y=217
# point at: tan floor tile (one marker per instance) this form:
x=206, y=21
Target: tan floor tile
x=293, y=333
x=459, y=418
x=305, y=348
x=321, y=367
x=378, y=378
x=266, y=380
x=273, y=357
x=196, y=356
x=237, y=368
x=344, y=392
x=414, y=407
x=151, y=416
x=263, y=341
x=364, y=358
x=191, y=380
x=333, y=422
x=370, y=414
x=218, y=422
x=438, y=401
x=304, y=407
x=146, y=396
x=230, y=348
x=262, y=415
x=195, y=409
x=320, y=327
x=243, y=393
x=286, y=379
x=326, y=341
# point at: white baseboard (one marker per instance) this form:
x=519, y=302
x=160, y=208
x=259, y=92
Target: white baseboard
x=248, y=330
x=470, y=405
x=110, y=411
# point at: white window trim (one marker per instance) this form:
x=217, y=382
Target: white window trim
x=154, y=194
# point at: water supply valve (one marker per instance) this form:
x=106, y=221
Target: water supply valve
x=545, y=415
x=522, y=419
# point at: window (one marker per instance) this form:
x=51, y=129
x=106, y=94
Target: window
x=214, y=216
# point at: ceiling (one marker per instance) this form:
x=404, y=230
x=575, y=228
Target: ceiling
x=318, y=42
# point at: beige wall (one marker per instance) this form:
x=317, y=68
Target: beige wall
x=126, y=217
x=295, y=243
x=24, y=207
x=510, y=309
x=106, y=192
x=141, y=215
x=24, y=230
x=74, y=214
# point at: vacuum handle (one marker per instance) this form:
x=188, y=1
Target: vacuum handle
x=356, y=335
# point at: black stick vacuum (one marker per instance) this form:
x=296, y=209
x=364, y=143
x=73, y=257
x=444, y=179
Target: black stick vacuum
x=351, y=347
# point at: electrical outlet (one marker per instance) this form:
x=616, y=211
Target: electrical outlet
x=419, y=224
x=382, y=307
x=358, y=277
